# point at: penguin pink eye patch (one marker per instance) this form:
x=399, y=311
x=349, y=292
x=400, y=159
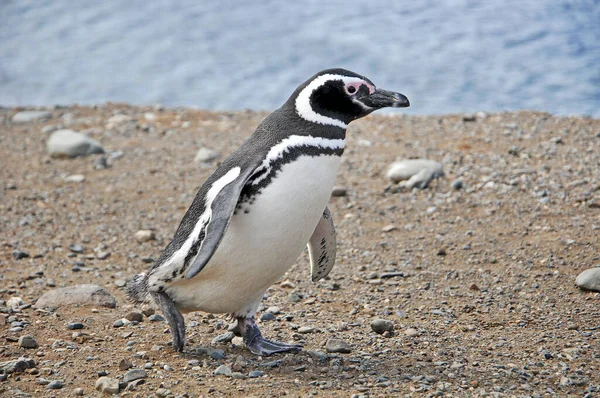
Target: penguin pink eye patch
x=353, y=88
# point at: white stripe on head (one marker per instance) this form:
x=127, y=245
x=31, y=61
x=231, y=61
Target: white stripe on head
x=294, y=141
x=306, y=112
x=179, y=256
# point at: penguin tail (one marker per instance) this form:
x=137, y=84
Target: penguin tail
x=137, y=289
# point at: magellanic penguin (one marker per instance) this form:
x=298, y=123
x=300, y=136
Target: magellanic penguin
x=251, y=219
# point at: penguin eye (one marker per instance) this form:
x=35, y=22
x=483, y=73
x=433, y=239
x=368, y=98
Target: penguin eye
x=351, y=89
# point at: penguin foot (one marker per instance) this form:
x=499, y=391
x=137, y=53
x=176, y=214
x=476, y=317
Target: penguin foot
x=174, y=317
x=257, y=344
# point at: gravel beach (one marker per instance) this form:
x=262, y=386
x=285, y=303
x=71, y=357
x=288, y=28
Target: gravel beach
x=463, y=288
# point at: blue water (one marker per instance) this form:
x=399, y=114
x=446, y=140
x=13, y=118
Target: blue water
x=446, y=56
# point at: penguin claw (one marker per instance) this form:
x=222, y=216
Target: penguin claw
x=262, y=346
x=257, y=344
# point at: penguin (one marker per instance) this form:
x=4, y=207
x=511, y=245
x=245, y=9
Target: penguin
x=253, y=216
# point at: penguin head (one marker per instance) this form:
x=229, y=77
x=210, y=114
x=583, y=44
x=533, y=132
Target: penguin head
x=338, y=96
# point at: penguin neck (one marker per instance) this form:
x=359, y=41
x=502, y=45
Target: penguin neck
x=287, y=120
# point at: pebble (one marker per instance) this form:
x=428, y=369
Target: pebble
x=101, y=163
x=205, y=156
x=14, y=302
x=70, y=144
x=337, y=345
x=163, y=392
x=74, y=325
x=306, y=330
x=76, y=248
x=223, y=371
x=31, y=116
x=78, y=392
x=255, y=373
x=134, y=374
x=125, y=364
x=217, y=354
x=144, y=235
x=381, y=326
x=288, y=284
x=339, y=191
x=18, y=254
x=28, y=342
x=107, y=385
x=457, y=184
x=120, y=282
x=267, y=316
x=274, y=310
x=410, y=332
x=134, y=316
x=156, y=318
x=75, y=178
x=589, y=279
x=418, y=172
x=389, y=228
x=223, y=338
x=55, y=385
x=87, y=294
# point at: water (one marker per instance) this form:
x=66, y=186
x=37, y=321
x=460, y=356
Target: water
x=446, y=56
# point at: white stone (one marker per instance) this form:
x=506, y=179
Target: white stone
x=68, y=143
x=206, y=155
x=31, y=116
x=107, y=385
x=76, y=178
x=405, y=169
x=14, y=302
x=144, y=235
x=589, y=279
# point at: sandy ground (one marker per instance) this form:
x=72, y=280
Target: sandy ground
x=483, y=299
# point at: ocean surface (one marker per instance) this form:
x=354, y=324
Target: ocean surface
x=446, y=56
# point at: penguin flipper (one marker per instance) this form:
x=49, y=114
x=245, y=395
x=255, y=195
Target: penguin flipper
x=221, y=209
x=322, y=247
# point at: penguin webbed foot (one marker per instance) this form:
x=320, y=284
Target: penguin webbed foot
x=257, y=344
x=174, y=317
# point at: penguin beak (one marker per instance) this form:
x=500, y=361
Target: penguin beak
x=383, y=99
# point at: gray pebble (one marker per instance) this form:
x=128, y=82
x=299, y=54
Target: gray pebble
x=305, y=330
x=118, y=323
x=74, y=325
x=78, y=294
x=339, y=191
x=223, y=338
x=205, y=156
x=156, y=318
x=217, y=354
x=78, y=392
x=134, y=374
x=457, y=184
x=336, y=345
x=163, y=392
x=120, y=282
x=223, y=371
x=68, y=143
x=18, y=365
x=589, y=279
x=380, y=326
x=18, y=254
x=31, y=116
x=76, y=248
x=255, y=373
x=28, y=342
x=100, y=163
x=144, y=235
x=55, y=385
x=267, y=316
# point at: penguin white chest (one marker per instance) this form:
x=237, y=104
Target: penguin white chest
x=264, y=240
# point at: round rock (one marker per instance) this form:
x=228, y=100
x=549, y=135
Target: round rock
x=78, y=294
x=406, y=169
x=68, y=143
x=222, y=371
x=589, y=279
x=206, y=155
x=144, y=235
x=380, y=326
